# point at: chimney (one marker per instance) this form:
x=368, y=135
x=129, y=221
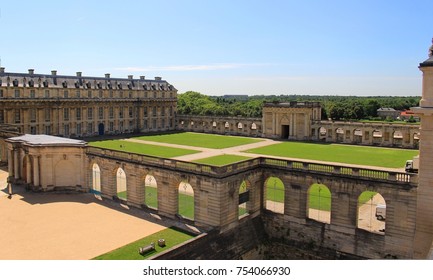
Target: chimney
x=54, y=72
x=78, y=74
x=107, y=75
x=2, y=70
x=158, y=78
x=142, y=77
x=31, y=71
x=130, y=77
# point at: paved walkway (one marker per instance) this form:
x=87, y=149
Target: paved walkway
x=238, y=150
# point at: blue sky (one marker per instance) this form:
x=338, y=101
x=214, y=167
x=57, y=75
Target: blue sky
x=227, y=47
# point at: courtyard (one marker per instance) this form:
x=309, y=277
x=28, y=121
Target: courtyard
x=69, y=226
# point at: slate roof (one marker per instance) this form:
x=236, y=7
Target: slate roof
x=46, y=140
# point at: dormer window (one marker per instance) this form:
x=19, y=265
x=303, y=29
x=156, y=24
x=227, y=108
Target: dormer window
x=65, y=84
x=154, y=87
x=119, y=85
x=161, y=87
x=31, y=83
x=15, y=83
x=77, y=84
x=145, y=87
x=129, y=86
x=99, y=85
x=45, y=83
x=89, y=85
x=109, y=86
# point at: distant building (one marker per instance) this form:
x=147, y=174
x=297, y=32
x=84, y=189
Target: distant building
x=388, y=112
x=405, y=115
x=77, y=106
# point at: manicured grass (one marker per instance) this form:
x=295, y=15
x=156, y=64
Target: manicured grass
x=172, y=238
x=143, y=149
x=319, y=197
x=274, y=189
x=361, y=155
x=122, y=195
x=186, y=206
x=365, y=197
x=151, y=196
x=221, y=160
x=200, y=140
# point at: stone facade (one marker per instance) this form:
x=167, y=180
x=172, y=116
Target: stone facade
x=46, y=163
x=424, y=216
x=290, y=120
x=79, y=106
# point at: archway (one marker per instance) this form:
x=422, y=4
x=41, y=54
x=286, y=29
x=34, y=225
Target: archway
x=96, y=179
x=150, y=192
x=357, y=135
x=339, y=134
x=377, y=137
x=101, y=129
x=186, y=200
x=371, y=212
x=274, y=199
x=322, y=133
x=244, y=197
x=240, y=125
x=397, y=138
x=319, y=203
x=121, y=184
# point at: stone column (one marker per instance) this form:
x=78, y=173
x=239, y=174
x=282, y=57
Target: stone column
x=36, y=171
x=16, y=165
x=28, y=170
x=424, y=214
x=11, y=164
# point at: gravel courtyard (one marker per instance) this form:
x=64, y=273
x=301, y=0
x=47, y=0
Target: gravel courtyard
x=42, y=226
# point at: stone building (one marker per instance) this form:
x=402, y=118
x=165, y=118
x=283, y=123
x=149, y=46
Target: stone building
x=80, y=106
x=44, y=162
x=290, y=120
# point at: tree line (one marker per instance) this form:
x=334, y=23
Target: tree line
x=333, y=107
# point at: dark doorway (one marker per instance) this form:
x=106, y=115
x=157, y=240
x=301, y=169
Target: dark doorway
x=101, y=129
x=285, y=129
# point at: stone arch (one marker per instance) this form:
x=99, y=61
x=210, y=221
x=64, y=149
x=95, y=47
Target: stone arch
x=377, y=136
x=339, y=134
x=253, y=126
x=227, y=125
x=322, y=133
x=214, y=124
x=186, y=200
x=96, y=179
x=274, y=195
x=240, y=125
x=244, y=192
x=121, y=189
x=397, y=138
x=357, y=135
x=319, y=203
x=150, y=191
x=371, y=212
x=416, y=139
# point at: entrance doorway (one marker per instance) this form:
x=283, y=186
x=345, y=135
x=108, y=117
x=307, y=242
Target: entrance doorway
x=285, y=129
x=101, y=129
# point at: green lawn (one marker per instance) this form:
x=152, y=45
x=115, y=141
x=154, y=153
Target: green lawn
x=151, y=196
x=221, y=160
x=361, y=155
x=213, y=141
x=365, y=197
x=143, y=149
x=274, y=189
x=172, y=238
x=186, y=206
x=319, y=197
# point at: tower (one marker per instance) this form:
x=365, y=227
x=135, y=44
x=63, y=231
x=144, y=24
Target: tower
x=424, y=216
